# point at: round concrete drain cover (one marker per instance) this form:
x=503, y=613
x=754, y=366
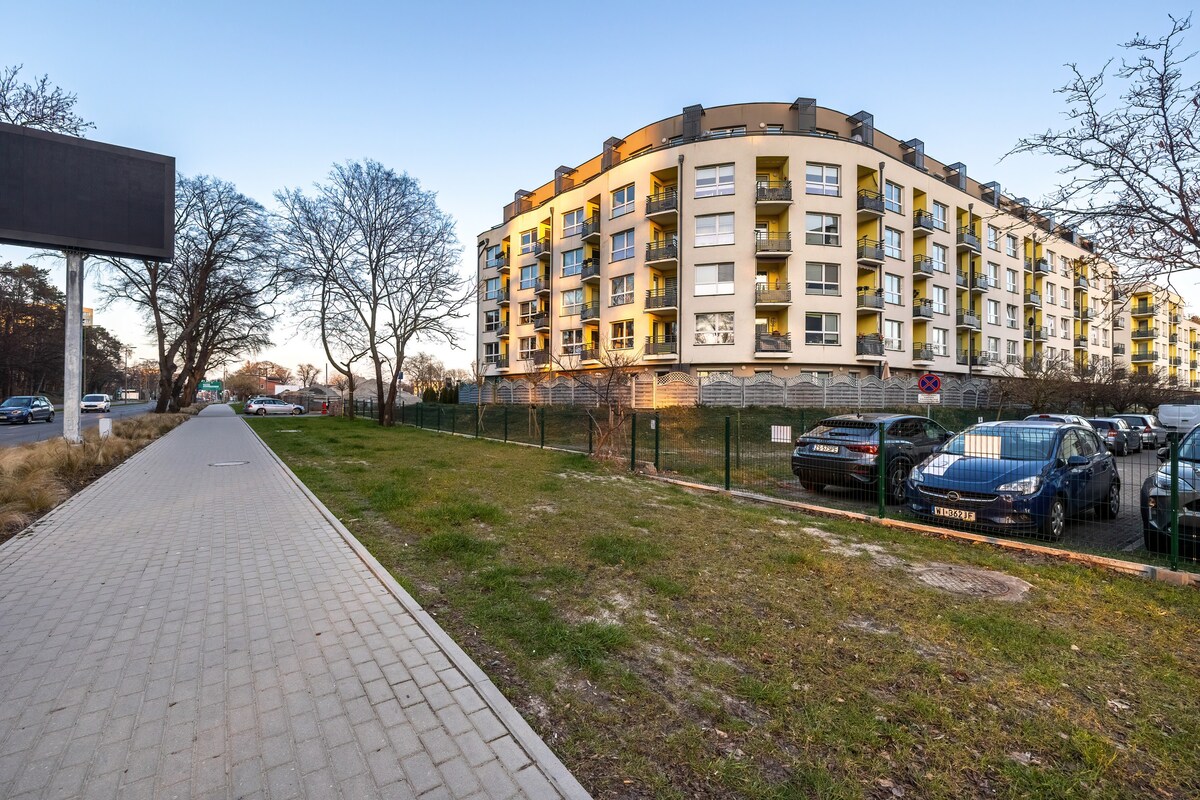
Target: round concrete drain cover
x=973, y=582
x=229, y=463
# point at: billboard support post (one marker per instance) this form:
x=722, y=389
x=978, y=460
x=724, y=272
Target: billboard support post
x=73, y=362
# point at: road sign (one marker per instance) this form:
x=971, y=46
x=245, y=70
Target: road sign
x=929, y=399
x=210, y=386
x=929, y=383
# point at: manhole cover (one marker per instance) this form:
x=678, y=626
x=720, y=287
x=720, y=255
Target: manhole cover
x=973, y=582
x=229, y=463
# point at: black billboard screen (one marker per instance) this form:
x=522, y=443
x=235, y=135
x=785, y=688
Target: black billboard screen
x=61, y=192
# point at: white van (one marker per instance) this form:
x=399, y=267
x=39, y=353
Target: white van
x=1179, y=417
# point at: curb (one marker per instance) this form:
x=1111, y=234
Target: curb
x=526, y=737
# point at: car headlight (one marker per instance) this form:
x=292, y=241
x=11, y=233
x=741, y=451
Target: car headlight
x=915, y=475
x=1162, y=480
x=1028, y=485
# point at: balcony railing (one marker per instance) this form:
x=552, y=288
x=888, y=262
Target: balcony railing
x=923, y=265
x=502, y=296
x=661, y=298
x=923, y=222
x=1196, y=345
x=1173, y=338
x=1040, y=265
x=1144, y=357
x=541, y=248
x=502, y=330
x=539, y=357
x=1176, y=361
x=923, y=309
x=1033, y=298
x=1081, y=342
x=869, y=345
x=967, y=319
x=779, y=243
x=1143, y=333
x=589, y=354
x=1142, y=309
x=870, y=202
x=661, y=345
x=500, y=362
x=541, y=285
x=1118, y=349
x=1083, y=314
x=968, y=357
x=870, y=249
x=591, y=226
x=773, y=191
x=772, y=343
x=1176, y=319
x=497, y=263
x=590, y=269
x=1192, y=364
x=870, y=299
x=662, y=250
x=1081, y=282
x=968, y=239
x=923, y=352
x=961, y=279
x=1118, y=323
x=663, y=201
x=773, y=293
x=541, y=321
x=590, y=311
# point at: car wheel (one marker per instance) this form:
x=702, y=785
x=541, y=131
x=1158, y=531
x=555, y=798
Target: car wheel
x=1110, y=506
x=1055, y=521
x=51, y=417
x=1155, y=542
x=262, y=412
x=297, y=412
x=1122, y=450
x=896, y=473
x=812, y=487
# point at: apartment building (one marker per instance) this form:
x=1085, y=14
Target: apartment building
x=786, y=238
x=1161, y=336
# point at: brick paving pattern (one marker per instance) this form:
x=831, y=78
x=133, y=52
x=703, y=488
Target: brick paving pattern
x=183, y=630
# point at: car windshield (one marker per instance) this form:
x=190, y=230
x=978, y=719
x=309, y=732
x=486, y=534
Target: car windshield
x=842, y=428
x=1017, y=444
x=17, y=402
x=93, y=398
x=1189, y=448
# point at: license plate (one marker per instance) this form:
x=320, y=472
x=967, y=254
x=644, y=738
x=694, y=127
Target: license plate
x=826, y=448
x=961, y=514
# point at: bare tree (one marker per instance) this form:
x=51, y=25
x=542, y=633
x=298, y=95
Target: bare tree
x=1130, y=158
x=38, y=105
x=1041, y=383
x=608, y=388
x=307, y=374
x=423, y=371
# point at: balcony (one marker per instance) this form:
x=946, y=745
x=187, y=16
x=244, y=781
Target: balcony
x=1143, y=310
x=589, y=355
x=1081, y=343
x=1118, y=349
x=967, y=240
x=870, y=204
x=772, y=344
x=1192, y=364
x=870, y=252
x=967, y=319
x=662, y=252
x=1196, y=345
x=772, y=196
x=1175, y=319
x=503, y=331
x=1081, y=282
x=1143, y=333
x=590, y=312
x=1013, y=360
x=542, y=285
x=662, y=300
x=962, y=280
x=777, y=246
x=869, y=301
x=969, y=357
x=869, y=346
x=1144, y=357
x=1083, y=314
x=590, y=271
x=1173, y=338
x=1118, y=323
x=923, y=353
x=923, y=309
x=591, y=229
x=503, y=297
x=500, y=263
x=1176, y=361
x=980, y=282
x=499, y=362
x=541, y=322
x=923, y=267
x=539, y=358
x=542, y=249
x=1033, y=298
x=773, y=294
x=923, y=224
x=1040, y=265
x=663, y=205
x=661, y=346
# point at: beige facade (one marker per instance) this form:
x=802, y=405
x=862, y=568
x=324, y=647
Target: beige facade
x=787, y=238
x=1161, y=335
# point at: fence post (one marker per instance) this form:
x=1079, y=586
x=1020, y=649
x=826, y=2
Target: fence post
x=1173, y=443
x=478, y=414
x=657, y=434
x=588, y=417
x=439, y=419
x=728, y=476
x=453, y=417
x=506, y=423
x=542, y=425
x=633, y=444
x=881, y=478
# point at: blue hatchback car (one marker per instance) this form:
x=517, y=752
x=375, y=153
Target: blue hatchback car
x=1017, y=477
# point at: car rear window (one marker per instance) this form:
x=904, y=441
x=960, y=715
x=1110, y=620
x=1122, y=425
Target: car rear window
x=842, y=428
x=1098, y=424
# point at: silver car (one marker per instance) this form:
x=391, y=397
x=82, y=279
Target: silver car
x=1156, y=500
x=271, y=405
x=1153, y=434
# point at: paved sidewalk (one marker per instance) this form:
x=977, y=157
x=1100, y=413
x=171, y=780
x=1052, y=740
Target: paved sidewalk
x=186, y=629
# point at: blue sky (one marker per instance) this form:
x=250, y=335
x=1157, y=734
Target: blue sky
x=477, y=100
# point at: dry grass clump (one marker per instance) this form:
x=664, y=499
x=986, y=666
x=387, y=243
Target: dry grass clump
x=34, y=478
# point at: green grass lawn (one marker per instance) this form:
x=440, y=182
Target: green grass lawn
x=671, y=644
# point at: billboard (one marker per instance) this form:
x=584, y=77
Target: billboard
x=61, y=192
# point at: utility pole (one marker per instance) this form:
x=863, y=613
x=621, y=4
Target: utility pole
x=73, y=361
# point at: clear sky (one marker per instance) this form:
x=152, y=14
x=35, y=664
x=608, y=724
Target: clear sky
x=478, y=99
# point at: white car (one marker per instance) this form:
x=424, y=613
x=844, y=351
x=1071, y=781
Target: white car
x=271, y=405
x=95, y=402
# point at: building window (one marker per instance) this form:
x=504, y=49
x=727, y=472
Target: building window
x=821, y=279
x=714, y=279
x=1010, y=351
x=993, y=274
x=572, y=222
x=714, y=181
x=1010, y=245
x=572, y=262
x=714, y=229
x=491, y=320
x=1010, y=316
x=993, y=312
x=893, y=197
x=893, y=243
x=572, y=342
x=774, y=129
x=733, y=130
x=527, y=311
x=940, y=215
x=622, y=245
x=528, y=240
x=822, y=229
x=939, y=255
x=622, y=335
x=822, y=179
x=572, y=302
x=527, y=346
x=993, y=238
x=893, y=334
x=491, y=289
x=821, y=329
x=714, y=328
x=893, y=289
x=993, y=348
x=495, y=255
x=1065, y=263
x=1065, y=327
x=1010, y=280
x=941, y=297
x=621, y=290
x=1066, y=297
x=1051, y=298
x=491, y=352
x=939, y=345
x=622, y=201
x=529, y=276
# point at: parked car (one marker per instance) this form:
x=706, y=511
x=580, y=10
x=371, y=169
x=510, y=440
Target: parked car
x=1073, y=419
x=1179, y=417
x=1153, y=434
x=1118, y=437
x=95, y=402
x=271, y=405
x=1017, y=477
x=844, y=451
x=25, y=409
x=1156, y=500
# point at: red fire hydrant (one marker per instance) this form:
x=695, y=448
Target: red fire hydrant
x=324, y=408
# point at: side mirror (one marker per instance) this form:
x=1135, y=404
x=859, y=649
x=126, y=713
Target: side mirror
x=1077, y=461
x=937, y=448
x=1164, y=453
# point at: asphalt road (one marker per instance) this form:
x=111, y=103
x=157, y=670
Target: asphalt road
x=38, y=431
